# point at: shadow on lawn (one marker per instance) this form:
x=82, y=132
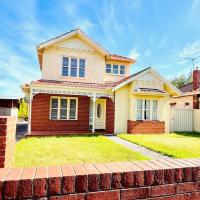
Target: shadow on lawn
x=189, y=134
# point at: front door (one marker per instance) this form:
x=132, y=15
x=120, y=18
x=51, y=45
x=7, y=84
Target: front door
x=100, y=114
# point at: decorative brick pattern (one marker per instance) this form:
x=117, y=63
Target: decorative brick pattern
x=41, y=124
x=110, y=115
x=7, y=140
x=109, y=181
x=145, y=127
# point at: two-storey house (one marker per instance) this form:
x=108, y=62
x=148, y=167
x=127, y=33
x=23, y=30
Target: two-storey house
x=84, y=88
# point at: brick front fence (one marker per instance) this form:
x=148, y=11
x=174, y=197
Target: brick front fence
x=7, y=140
x=153, y=180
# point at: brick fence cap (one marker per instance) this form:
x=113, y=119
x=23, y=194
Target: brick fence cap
x=133, y=166
x=177, y=162
x=14, y=174
x=28, y=173
x=161, y=164
x=195, y=161
x=143, y=165
x=41, y=172
x=79, y=170
x=113, y=168
x=54, y=171
x=123, y=167
x=152, y=165
x=90, y=169
x=3, y=173
x=102, y=168
x=170, y=164
x=187, y=162
x=67, y=170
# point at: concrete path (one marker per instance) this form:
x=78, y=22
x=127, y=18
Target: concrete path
x=137, y=148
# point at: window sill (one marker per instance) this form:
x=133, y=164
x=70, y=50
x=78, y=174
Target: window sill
x=110, y=74
x=72, y=77
x=63, y=119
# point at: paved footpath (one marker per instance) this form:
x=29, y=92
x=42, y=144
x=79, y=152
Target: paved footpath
x=137, y=148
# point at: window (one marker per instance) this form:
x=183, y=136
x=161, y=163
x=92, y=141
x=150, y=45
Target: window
x=82, y=68
x=73, y=67
x=115, y=69
x=187, y=103
x=54, y=108
x=65, y=67
x=147, y=109
x=122, y=69
x=63, y=108
x=108, y=68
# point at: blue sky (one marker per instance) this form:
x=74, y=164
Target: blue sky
x=160, y=33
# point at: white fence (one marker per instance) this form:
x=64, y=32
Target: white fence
x=8, y=111
x=184, y=120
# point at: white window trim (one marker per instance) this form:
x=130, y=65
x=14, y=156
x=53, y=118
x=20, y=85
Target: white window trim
x=151, y=110
x=59, y=107
x=69, y=66
x=119, y=68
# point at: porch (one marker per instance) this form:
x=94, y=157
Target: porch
x=94, y=113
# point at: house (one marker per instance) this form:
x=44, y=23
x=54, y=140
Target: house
x=9, y=106
x=190, y=98
x=85, y=88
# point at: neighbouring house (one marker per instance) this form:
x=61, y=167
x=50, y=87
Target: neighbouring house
x=190, y=98
x=85, y=88
x=9, y=106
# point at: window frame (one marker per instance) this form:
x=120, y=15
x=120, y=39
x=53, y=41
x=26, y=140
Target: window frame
x=151, y=109
x=69, y=67
x=59, y=108
x=118, y=70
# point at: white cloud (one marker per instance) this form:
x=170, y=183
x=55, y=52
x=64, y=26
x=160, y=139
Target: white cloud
x=134, y=54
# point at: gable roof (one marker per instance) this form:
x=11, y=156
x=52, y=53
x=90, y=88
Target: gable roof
x=133, y=77
x=187, y=88
x=77, y=32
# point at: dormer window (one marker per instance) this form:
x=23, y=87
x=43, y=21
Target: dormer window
x=115, y=69
x=73, y=67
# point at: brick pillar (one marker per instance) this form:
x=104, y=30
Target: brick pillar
x=7, y=140
x=196, y=79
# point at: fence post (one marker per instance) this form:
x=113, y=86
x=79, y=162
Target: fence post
x=7, y=140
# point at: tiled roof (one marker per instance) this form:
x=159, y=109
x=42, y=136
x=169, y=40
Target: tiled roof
x=106, y=85
x=187, y=88
x=149, y=90
x=74, y=84
x=119, y=57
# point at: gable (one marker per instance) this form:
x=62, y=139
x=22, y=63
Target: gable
x=75, y=43
x=149, y=78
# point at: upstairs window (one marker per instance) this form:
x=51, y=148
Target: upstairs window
x=65, y=68
x=115, y=69
x=63, y=108
x=82, y=68
x=108, y=68
x=73, y=72
x=73, y=67
x=122, y=69
x=147, y=109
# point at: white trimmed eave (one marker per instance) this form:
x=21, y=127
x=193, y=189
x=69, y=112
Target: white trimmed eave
x=158, y=94
x=63, y=90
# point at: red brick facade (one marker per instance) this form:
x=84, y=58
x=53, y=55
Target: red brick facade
x=110, y=115
x=7, y=140
x=40, y=121
x=145, y=127
x=168, y=179
x=42, y=125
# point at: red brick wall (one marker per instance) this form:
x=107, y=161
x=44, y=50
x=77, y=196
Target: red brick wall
x=145, y=127
x=110, y=112
x=40, y=117
x=7, y=140
x=151, y=180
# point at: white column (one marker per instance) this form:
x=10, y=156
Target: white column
x=93, y=112
x=30, y=110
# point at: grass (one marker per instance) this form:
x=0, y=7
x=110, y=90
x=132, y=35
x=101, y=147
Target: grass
x=70, y=149
x=178, y=145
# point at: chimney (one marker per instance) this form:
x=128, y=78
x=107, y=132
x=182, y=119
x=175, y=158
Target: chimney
x=196, y=79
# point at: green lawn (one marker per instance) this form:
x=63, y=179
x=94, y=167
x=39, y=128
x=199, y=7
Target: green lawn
x=70, y=149
x=178, y=145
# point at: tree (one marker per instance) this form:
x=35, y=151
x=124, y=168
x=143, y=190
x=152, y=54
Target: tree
x=23, y=109
x=182, y=80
